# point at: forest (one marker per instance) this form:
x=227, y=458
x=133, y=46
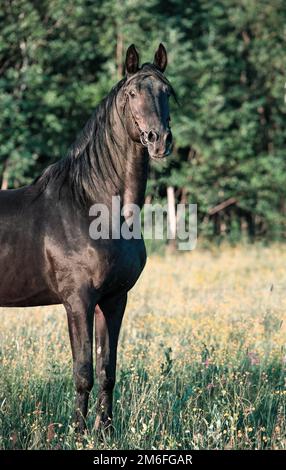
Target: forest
x=59, y=58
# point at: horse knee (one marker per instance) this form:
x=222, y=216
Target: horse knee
x=83, y=379
x=106, y=383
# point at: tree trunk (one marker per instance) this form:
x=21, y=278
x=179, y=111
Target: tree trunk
x=172, y=220
x=119, y=55
x=4, y=184
x=5, y=177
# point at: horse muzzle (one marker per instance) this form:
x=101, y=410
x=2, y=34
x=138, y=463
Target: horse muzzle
x=159, y=144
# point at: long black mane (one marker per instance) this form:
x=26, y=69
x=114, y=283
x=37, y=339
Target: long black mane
x=96, y=159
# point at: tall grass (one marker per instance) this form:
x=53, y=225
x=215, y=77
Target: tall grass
x=201, y=361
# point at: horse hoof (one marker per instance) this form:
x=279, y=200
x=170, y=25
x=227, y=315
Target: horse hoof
x=103, y=426
x=80, y=427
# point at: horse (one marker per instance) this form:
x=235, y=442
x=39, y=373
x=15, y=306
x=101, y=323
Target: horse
x=47, y=254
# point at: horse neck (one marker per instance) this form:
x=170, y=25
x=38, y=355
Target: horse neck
x=135, y=177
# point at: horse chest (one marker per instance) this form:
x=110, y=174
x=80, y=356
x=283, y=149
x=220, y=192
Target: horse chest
x=124, y=265
x=107, y=265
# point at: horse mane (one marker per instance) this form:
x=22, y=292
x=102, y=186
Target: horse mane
x=96, y=159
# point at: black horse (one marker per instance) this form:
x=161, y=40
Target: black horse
x=47, y=255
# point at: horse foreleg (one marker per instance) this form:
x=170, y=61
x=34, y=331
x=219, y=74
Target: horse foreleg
x=80, y=323
x=108, y=318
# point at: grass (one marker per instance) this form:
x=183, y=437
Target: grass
x=201, y=362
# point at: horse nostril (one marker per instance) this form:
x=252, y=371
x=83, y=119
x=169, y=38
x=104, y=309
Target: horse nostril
x=169, y=138
x=152, y=136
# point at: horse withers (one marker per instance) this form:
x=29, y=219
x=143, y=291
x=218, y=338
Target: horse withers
x=47, y=255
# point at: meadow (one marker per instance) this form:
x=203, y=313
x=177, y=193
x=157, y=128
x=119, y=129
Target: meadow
x=201, y=360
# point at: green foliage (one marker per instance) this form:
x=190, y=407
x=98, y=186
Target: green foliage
x=58, y=58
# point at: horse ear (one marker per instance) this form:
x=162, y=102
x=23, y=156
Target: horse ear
x=160, y=58
x=132, y=60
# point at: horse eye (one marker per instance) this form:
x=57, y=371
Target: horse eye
x=132, y=94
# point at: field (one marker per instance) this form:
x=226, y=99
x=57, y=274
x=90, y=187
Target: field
x=201, y=360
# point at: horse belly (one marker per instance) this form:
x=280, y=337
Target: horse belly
x=22, y=283
x=19, y=289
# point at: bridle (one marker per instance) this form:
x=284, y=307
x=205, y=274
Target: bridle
x=142, y=134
